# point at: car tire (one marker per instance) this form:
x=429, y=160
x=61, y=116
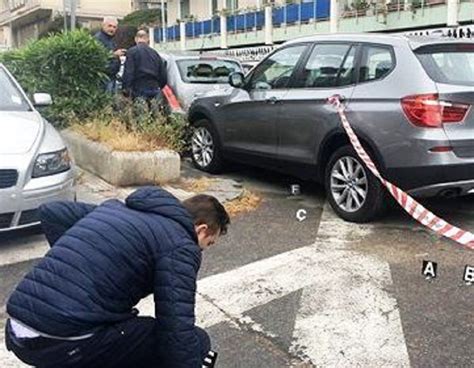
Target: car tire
x=206, y=150
x=347, y=176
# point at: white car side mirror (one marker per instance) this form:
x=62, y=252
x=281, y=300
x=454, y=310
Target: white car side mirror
x=42, y=99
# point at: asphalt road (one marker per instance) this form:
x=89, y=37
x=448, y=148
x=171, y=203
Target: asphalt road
x=279, y=292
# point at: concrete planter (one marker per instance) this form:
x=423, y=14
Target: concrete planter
x=123, y=168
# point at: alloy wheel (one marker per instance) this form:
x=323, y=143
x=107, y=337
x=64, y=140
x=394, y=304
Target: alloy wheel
x=203, y=147
x=349, y=184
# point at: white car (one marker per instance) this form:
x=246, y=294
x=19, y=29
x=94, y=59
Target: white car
x=35, y=166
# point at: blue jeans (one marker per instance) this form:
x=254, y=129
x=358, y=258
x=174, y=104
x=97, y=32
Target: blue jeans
x=148, y=94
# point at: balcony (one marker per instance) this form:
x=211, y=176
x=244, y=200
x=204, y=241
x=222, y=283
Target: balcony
x=17, y=9
x=246, y=28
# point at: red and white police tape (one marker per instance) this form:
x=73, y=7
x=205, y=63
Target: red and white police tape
x=410, y=205
x=171, y=99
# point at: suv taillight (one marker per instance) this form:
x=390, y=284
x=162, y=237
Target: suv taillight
x=429, y=112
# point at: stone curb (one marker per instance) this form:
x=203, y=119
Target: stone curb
x=123, y=168
x=225, y=190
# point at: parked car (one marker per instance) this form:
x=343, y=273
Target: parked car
x=191, y=76
x=35, y=166
x=408, y=99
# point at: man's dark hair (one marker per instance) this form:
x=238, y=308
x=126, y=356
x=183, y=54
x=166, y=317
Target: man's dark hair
x=206, y=209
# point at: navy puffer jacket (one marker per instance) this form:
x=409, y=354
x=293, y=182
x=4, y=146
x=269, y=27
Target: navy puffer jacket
x=113, y=256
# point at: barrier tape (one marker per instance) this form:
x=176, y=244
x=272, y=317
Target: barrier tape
x=408, y=203
x=171, y=98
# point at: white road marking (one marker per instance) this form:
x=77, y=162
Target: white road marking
x=346, y=317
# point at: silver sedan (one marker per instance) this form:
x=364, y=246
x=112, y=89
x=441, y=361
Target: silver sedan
x=35, y=166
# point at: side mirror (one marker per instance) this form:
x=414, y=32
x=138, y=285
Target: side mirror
x=236, y=80
x=42, y=99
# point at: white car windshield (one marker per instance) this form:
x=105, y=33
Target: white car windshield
x=11, y=98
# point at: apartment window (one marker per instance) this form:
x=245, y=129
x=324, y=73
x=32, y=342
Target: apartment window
x=215, y=6
x=185, y=9
x=232, y=5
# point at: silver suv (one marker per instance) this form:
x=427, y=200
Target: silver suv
x=408, y=99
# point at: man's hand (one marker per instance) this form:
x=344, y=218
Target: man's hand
x=120, y=52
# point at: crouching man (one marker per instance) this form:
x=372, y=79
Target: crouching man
x=75, y=307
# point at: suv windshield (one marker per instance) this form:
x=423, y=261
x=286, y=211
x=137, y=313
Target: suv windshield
x=207, y=70
x=451, y=64
x=11, y=98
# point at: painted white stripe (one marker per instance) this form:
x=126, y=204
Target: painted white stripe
x=350, y=321
x=344, y=306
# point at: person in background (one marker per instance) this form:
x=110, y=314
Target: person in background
x=145, y=71
x=106, y=37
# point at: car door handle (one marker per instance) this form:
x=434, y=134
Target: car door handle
x=272, y=100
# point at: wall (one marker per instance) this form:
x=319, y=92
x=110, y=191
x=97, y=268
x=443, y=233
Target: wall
x=118, y=8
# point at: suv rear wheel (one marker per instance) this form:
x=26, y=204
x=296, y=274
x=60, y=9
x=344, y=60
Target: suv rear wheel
x=206, y=148
x=354, y=193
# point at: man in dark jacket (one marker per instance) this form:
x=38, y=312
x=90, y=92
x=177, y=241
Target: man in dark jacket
x=145, y=71
x=75, y=308
x=106, y=37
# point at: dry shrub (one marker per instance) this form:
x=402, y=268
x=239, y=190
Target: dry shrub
x=246, y=203
x=135, y=126
x=198, y=185
x=117, y=137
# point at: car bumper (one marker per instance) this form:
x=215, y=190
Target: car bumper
x=431, y=181
x=19, y=206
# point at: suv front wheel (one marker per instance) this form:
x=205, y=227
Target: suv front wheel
x=206, y=148
x=354, y=193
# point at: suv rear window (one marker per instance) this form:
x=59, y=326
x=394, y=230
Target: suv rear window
x=376, y=63
x=450, y=64
x=207, y=70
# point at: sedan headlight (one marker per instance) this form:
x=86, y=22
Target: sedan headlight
x=51, y=163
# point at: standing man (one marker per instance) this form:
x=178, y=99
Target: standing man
x=145, y=71
x=106, y=37
x=75, y=308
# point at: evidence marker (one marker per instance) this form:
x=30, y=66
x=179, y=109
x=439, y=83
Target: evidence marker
x=429, y=270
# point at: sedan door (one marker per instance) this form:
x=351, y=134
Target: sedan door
x=249, y=116
x=307, y=117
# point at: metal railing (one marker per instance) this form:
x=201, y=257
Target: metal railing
x=250, y=20
x=383, y=7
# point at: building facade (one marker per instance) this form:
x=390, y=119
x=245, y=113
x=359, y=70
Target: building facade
x=246, y=24
x=22, y=20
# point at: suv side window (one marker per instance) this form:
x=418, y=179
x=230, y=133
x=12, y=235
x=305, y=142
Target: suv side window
x=329, y=65
x=275, y=72
x=376, y=63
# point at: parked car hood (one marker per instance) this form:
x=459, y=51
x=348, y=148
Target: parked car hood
x=18, y=131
